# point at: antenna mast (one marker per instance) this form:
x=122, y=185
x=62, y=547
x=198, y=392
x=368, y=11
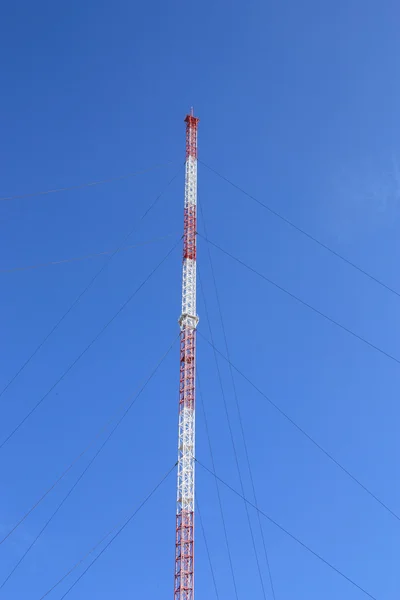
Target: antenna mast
x=184, y=553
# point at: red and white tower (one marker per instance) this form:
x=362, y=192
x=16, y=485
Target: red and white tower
x=184, y=554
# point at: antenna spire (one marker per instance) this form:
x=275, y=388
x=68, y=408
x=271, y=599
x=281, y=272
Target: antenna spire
x=184, y=545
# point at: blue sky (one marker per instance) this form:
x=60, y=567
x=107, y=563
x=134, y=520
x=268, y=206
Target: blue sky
x=298, y=105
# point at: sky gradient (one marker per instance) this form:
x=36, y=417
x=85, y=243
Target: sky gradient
x=299, y=106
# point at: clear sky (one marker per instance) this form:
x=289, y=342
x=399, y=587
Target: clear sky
x=299, y=105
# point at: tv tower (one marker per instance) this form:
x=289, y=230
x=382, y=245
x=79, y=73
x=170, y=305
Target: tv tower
x=184, y=550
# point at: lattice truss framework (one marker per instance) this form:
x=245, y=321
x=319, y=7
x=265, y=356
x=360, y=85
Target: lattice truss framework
x=184, y=557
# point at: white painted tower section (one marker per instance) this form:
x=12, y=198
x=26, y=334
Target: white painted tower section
x=188, y=320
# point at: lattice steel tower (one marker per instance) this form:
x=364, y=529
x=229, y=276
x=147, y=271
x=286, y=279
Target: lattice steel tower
x=184, y=553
